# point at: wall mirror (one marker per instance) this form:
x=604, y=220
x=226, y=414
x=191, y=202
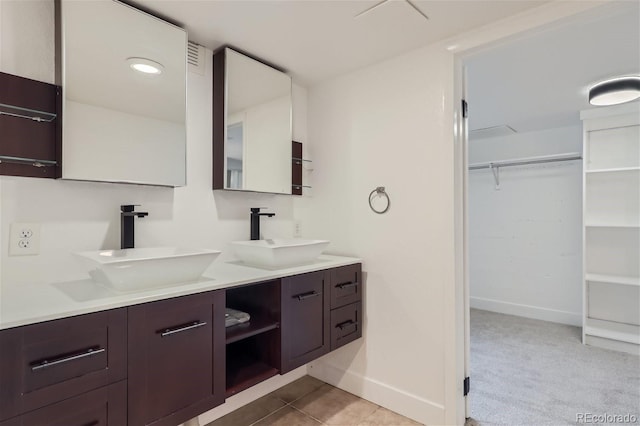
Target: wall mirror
x=252, y=125
x=123, y=74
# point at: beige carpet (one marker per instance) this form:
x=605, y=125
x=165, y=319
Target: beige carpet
x=530, y=372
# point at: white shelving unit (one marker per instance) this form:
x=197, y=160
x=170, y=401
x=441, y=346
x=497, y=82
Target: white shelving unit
x=611, y=217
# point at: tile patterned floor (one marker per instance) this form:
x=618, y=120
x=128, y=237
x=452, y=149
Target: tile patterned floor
x=308, y=401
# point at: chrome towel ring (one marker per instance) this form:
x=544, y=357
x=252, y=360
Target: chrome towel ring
x=379, y=192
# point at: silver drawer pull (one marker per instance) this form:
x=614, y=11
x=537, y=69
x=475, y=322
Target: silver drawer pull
x=170, y=331
x=347, y=285
x=346, y=324
x=83, y=354
x=306, y=295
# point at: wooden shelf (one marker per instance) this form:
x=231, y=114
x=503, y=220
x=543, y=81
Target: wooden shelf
x=258, y=324
x=244, y=371
x=613, y=279
x=613, y=330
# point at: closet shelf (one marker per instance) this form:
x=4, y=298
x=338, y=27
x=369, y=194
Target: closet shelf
x=28, y=161
x=613, y=279
x=27, y=113
x=611, y=225
x=614, y=170
x=612, y=330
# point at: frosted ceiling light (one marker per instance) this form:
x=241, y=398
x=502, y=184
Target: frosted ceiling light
x=615, y=91
x=146, y=66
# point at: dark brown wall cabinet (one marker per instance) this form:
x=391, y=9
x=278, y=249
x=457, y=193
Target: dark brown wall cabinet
x=45, y=363
x=296, y=168
x=176, y=359
x=30, y=127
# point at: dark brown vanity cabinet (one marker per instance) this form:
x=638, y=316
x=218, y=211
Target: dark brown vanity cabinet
x=305, y=318
x=163, y=363
x=176, y=359
x=105, y=406
x=346, y=305
x=253, y=347
x=45, y=363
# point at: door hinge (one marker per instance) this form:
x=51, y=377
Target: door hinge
x=466, y=385
x=464, y=109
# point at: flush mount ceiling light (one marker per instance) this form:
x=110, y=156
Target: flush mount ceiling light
x=145, y=66
x=615, y=91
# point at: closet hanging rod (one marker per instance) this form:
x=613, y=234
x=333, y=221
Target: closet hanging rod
x=529, y=160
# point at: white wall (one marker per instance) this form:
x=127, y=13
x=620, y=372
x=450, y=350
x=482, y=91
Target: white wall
x=525, y=239
x=389, y=125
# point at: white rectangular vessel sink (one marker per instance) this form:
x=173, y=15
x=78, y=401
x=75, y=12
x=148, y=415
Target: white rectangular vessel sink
x=140, y=268
x=278, y=253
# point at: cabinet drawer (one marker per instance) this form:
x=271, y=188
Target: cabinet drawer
x=43, y=363
x=346, y=285
x=346, y=324
x=106, y=406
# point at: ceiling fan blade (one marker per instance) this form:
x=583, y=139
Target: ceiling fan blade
x=369, y=9
x=410, y=3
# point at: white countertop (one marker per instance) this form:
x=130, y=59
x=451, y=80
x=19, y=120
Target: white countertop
x=29, y=304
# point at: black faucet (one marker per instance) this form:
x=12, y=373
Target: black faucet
x=126, y=225
x=255, y=221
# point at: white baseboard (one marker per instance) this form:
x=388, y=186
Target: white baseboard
x=419, y=409
x=251, y=394
x=527, y=311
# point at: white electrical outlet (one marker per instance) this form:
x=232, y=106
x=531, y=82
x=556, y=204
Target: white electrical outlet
x=24, y=239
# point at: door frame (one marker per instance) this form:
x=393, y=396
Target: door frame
x=463, y=46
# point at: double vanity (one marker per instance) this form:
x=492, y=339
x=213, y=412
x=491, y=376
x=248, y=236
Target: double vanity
x=85, y=353
x=144, y=340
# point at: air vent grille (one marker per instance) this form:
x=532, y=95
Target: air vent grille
x=195, y=58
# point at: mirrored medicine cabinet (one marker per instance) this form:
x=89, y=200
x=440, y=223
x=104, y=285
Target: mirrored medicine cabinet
x=123, y=73
x=252, y=111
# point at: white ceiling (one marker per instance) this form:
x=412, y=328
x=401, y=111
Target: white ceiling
x=317, y=39
x=541, y=81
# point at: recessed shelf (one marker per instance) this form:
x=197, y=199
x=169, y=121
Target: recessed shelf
x=27, y=113
x=614, y=170
x=613, y=330
x=255, y=326
x=613, y=279
x=244, y=370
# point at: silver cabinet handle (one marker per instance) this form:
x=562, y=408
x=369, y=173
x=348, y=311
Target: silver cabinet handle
x=347, y=285
x=345, y=324
x=180, y=329
x=306, y=295
x=83, y=354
